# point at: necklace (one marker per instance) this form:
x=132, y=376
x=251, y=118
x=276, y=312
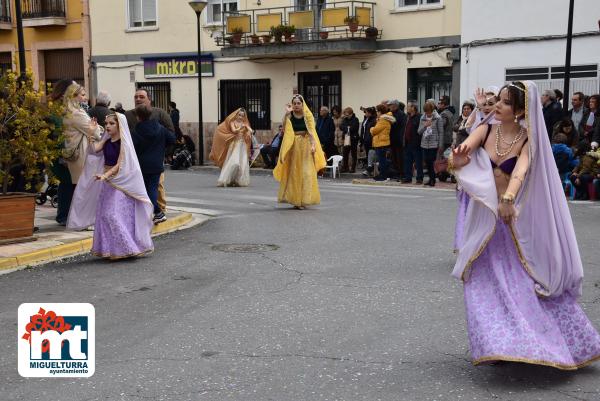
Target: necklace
x=511, y=144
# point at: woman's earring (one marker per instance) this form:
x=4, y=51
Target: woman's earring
x=516, y=119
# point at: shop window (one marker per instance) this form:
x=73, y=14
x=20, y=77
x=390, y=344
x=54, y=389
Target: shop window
x=252, y=94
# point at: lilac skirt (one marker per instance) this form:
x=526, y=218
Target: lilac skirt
x=507, y=321
x=114, y=231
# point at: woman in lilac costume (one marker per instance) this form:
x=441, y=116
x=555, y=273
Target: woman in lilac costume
x=111, y=195
x=522, y=276
x=482, y=114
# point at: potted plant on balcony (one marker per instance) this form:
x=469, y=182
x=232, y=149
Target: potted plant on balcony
x=324, y=35
x=277, y=33
x=255, y=39
x=352, y=22
x=371, y=32
x=236, y=35
x=266, y=38
x=28, y=142
x=288, y=31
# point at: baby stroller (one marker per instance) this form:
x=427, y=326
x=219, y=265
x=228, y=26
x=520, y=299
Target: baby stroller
x=49, y=192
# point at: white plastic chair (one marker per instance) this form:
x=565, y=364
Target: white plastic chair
x=335, y=164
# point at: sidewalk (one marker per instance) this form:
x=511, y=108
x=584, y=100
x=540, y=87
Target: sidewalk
x=53, y=242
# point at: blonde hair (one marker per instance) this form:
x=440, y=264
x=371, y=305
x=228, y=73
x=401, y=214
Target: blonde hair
x=348, y=110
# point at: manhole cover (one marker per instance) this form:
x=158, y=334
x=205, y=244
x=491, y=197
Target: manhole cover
x=244, y=248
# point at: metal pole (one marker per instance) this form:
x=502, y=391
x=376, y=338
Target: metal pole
x=200, y=123
x=20, y=39
x=566, y=96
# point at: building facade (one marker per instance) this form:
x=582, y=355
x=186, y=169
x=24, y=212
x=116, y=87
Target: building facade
x=152, y=44
x=56, y=35
x=534, y=47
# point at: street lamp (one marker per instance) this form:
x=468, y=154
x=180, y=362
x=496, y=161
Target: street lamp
x=566, y=96
x=198, y=6
x=20, y=40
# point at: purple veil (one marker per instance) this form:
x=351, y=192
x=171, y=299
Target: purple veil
x=128, y=180
x=543, y=232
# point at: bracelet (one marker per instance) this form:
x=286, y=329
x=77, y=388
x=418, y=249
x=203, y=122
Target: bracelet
x=451, y=167
x=508, y=198
x=517, y=177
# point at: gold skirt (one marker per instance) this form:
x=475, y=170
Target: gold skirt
x=299, y=185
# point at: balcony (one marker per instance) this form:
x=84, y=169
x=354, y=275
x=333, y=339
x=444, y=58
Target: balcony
x=43, y=13
x=5, y=20
x=338, y=27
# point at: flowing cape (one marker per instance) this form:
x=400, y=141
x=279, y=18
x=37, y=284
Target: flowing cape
x=288, y=141
x=543, y=233
x=128, y=179
x=224, y=137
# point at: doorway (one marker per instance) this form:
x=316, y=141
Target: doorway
x=321, y=89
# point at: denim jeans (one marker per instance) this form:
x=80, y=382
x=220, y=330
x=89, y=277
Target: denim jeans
x=151, y=183
x=413, y=154
x=383, y=161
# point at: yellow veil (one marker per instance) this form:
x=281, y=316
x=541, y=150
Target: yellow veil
x=282, y=168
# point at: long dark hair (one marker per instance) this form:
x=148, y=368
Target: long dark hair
x=516, y=96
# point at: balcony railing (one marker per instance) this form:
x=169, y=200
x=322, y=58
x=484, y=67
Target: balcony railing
x=43, y=8
x=315, y=22
x=5, y=11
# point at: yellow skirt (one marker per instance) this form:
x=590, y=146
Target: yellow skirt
x=299, y=185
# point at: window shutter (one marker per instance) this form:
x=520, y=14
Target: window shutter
x=149, y=12
x=135, y=15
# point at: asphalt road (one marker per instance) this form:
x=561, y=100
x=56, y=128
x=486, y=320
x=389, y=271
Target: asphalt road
x=349, y=300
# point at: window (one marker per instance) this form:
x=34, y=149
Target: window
x=216, y=8
x=5, y=62
x=417, y=3
x=159, y=92
x=252, y=94
x=4, y=11
x=62, y=63
x=142, y=13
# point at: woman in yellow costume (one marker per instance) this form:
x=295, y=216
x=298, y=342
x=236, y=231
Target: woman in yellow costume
x=300, y=157
x=230, y=149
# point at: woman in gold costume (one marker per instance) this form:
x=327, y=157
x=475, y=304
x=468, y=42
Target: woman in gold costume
x=300, y=157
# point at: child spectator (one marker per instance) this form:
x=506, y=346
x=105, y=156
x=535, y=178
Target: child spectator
x=585, y=172
x=563, y=154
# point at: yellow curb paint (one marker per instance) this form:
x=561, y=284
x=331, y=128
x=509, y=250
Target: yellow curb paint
x=86, y=244
x=67, y=249
x=8, y=263
x=33, y=257
x=172, y=223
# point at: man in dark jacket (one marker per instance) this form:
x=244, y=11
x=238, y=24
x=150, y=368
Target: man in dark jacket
x=101, y=110
x=412, y=146
x=396, y=136
x=150, y=140
x=578, y=111
x=552, y=110
x=350, y=126
x=366, y=140
x=142, y=97
x=326, y=132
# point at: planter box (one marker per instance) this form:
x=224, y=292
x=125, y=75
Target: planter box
x=17, y=213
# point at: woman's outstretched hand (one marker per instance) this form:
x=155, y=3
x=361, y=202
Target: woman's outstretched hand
x=480, y=97
x=461, y=156
x=288, y=108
